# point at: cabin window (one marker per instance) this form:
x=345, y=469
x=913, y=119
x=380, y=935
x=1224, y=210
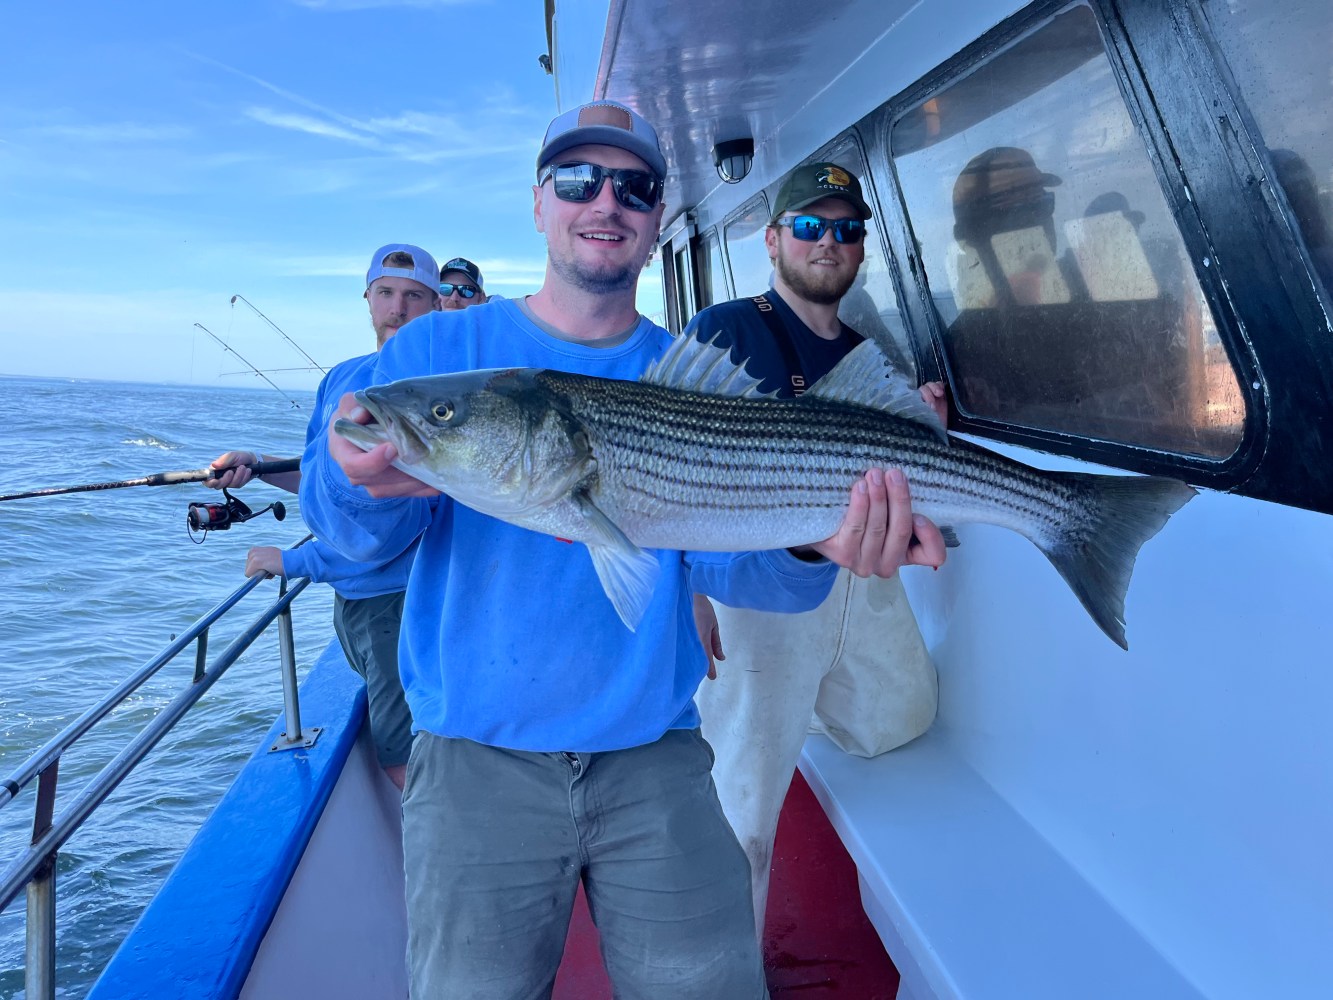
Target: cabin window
x=751, y=271
x=1064, y=296
x=712, y=270
x=702, y=279
x=1282, y=73
x=650, y=299
x=684, y=287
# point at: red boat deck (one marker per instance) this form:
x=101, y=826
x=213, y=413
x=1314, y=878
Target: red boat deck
x=818, y=941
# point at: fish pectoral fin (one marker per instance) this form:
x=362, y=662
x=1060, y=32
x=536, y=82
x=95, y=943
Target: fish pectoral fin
x=628, y=574
x=627, y=578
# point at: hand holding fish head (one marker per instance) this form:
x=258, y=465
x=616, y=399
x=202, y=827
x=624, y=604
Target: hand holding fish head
x=370, y=461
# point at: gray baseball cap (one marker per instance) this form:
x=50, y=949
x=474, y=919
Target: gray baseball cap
x=603, y=123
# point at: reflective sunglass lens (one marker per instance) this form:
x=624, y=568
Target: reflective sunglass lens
x=637, y=189
x=849, y=230
x=807, y=227
x=811, y=229
x=579, y=182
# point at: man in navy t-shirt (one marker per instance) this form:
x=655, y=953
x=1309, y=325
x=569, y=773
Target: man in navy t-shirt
x=858, y=660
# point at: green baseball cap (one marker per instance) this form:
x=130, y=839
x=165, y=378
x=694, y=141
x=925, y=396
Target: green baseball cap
x=816, y=181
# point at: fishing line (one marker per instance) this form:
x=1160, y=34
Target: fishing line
x=282, y=333
x=243, y=361
x=272, y=371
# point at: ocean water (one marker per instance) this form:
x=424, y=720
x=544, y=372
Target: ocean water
x=95, y=584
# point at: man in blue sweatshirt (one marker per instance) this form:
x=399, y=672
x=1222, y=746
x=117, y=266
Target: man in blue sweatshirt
x=553, y=745
x=368, y=596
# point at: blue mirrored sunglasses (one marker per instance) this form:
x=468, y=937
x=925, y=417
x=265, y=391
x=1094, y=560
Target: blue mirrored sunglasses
x=811, y=228
x=448, y=288
x=635, y=189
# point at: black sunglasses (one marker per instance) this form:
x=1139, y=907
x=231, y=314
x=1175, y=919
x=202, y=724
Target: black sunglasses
x=467, y=291
x=811, y=228
x=635, y=189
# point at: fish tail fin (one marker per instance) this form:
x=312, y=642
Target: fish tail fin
x=1095, y=554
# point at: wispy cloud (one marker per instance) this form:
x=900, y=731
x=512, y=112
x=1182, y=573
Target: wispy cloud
x=294, y=98
x=103, y=132
x=320, y=267
x=509, y=272
x=307, y=124
x=499, y=126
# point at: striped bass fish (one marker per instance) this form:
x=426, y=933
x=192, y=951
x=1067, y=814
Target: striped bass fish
x=693, y=456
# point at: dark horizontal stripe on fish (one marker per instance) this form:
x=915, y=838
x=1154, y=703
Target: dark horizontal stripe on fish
x=668, y=427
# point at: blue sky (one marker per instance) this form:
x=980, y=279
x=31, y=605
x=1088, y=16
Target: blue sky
x=158, y=158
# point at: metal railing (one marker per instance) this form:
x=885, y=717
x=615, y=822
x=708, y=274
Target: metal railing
x=35, y=868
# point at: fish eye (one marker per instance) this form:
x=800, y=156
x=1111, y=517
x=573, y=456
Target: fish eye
x=442, y=411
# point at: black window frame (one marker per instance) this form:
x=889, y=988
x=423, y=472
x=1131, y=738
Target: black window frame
x=1256, y=280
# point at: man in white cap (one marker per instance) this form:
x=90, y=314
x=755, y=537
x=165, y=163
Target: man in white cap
x=554, y=746
x=368, y=596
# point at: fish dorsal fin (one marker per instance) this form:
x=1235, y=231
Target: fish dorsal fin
x=865, y=377
x=697, y=366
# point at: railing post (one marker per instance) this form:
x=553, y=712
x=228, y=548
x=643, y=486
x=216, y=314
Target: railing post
x=293, y=737
x=200, y=656
x=40, y=967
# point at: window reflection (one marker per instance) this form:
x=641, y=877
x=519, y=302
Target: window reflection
x=1056, y=269
x=1283, y=76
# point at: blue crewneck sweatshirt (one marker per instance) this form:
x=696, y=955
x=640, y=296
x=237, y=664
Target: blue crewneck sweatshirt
x=508, y=638
x=320, y=561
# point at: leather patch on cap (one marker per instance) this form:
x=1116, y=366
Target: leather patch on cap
x=605, y=114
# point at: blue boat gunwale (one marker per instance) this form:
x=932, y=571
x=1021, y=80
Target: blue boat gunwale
x=199, y=936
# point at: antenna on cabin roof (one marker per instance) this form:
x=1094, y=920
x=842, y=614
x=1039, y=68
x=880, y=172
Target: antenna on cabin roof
x=281, y=332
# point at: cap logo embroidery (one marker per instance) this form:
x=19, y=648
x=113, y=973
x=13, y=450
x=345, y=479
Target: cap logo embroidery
x=835, y=176
x=605, y=114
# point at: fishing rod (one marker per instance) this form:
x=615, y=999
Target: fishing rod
x=228, y=347
x=161, y=479
x=281, y=332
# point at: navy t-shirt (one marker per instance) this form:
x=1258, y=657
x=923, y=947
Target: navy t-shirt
x=738, y=324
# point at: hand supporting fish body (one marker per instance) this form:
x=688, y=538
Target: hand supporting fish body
x=692, y=456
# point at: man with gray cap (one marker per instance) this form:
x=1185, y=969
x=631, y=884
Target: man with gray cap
x=857, y=662
x=555, y=746
x=460, y=284
x=368, y=595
